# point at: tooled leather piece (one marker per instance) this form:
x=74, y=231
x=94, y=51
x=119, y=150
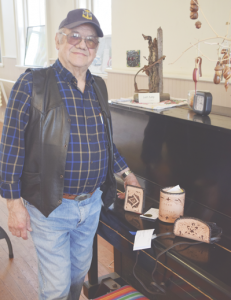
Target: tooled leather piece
x=171, y=205
x=192, y=229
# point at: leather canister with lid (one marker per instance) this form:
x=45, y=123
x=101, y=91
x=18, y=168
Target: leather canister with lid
x=171, y=205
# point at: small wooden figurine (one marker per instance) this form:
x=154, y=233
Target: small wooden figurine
x=218, y=73
x=197, y=71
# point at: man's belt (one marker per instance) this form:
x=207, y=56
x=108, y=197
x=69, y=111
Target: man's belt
x=77, y=197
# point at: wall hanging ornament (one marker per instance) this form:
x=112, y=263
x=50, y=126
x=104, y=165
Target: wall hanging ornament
x=197, y=72
x=133, y=58
x=194, y=9
x=0, y=96
x=198, y=24
x=218, y=73
x=224, y=44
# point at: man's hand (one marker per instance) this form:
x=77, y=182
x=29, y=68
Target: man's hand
x=129, y=180
x=19, y=219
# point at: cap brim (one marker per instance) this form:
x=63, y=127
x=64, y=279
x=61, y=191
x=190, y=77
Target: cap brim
x=75, y=24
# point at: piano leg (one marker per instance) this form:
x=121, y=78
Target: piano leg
x=93, y=272
x=91, y=286
x=117, y=261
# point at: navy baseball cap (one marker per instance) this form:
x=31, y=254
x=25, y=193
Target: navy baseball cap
x=78, y=17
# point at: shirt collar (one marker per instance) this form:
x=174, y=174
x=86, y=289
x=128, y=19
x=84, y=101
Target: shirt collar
x=68, y=76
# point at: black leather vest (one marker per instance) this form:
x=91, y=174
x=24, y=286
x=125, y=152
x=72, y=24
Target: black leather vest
x=46, y=140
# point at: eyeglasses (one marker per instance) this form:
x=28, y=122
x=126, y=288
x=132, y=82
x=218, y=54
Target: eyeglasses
x=75, y=39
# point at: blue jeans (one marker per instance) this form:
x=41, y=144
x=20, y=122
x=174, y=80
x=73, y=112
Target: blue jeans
x=63, y=243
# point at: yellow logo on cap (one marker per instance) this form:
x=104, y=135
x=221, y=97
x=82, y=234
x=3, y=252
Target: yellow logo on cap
x=87, y=14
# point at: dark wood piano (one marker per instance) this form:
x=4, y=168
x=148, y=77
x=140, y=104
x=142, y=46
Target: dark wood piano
x=163, y=149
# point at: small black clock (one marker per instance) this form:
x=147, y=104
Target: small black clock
x=202, y=119
x=202, y=103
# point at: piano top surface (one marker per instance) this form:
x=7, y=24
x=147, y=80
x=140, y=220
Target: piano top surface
x=219, y=116
x=170, y=148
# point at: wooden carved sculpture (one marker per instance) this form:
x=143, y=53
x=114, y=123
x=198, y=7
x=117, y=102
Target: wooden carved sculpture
x=146, y=70
x=154, y=69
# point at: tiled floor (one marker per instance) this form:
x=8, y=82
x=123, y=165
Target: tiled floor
x=18, y=276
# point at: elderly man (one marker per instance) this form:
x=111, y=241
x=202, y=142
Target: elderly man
x=57, y=154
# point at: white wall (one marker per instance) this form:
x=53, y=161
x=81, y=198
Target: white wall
x=8, y=28
x=131, y=18
x=56, y=11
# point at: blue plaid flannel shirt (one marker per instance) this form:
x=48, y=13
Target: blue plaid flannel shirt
x=87, y=157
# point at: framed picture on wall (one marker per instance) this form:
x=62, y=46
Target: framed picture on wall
x=133, y=58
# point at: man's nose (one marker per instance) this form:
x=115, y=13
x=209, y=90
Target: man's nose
x=82, y=44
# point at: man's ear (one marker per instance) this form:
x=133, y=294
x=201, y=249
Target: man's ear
x=57, y=41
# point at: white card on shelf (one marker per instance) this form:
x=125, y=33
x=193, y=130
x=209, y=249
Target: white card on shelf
x=154, y=212
x=143, y=239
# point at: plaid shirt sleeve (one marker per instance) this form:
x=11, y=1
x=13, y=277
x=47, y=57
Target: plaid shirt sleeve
x=12, y=148
x=119, y=161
